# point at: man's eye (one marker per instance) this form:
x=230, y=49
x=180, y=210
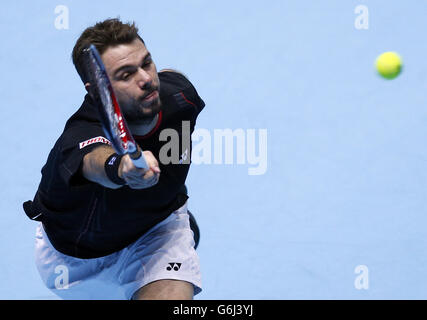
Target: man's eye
x=147, y=63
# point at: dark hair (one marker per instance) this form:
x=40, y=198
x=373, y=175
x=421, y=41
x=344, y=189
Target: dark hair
x=104, y=34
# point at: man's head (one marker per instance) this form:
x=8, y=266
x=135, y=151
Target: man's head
x=129, y=65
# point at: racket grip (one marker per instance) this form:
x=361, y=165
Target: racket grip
x=138, y=159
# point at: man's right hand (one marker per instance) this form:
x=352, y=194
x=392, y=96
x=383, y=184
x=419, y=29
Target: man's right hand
x=137, y=178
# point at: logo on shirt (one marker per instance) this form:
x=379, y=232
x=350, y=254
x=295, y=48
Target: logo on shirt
x=99, y=139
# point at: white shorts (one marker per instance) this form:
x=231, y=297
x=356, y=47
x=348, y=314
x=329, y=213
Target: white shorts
x=166, y=251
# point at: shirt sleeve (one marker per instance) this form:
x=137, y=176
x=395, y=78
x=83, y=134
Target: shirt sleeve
x=75, y=142
x=194, y=97
x=177, y=81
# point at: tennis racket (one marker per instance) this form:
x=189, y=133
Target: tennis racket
x=113, y=122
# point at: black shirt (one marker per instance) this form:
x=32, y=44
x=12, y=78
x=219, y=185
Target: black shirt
x=86, y=220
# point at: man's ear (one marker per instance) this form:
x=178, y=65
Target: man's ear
x=87, y=86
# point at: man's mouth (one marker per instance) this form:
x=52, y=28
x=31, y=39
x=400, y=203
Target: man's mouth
x=151, y=96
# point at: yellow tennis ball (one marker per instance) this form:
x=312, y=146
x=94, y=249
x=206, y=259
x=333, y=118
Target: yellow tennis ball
x=389, y=65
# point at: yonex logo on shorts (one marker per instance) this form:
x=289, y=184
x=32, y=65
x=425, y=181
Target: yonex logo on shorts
x=173, y=266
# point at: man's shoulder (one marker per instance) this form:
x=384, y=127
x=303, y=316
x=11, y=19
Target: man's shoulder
x=172, y=81
x=87, y=113
x=175, y=85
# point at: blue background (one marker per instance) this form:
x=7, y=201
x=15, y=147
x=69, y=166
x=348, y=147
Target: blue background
x=347, y=155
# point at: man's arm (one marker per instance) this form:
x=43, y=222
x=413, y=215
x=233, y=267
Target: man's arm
x=93, y=166
x=93, y=169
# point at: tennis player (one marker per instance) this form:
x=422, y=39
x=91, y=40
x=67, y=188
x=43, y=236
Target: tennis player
x=107, y=229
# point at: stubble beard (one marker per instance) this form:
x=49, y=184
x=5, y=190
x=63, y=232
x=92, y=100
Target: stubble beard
x=135, y=114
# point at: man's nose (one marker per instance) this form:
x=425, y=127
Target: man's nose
x=144, y=79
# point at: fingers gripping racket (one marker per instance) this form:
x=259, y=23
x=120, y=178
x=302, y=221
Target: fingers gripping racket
x=113, y=122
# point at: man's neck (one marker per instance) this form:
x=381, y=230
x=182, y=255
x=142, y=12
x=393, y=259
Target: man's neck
x=143, y=127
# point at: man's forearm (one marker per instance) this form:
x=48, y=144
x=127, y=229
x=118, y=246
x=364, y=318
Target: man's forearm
x=93, y=166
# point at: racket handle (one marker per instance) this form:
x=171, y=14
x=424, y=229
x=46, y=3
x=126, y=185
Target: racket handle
x=138, y=159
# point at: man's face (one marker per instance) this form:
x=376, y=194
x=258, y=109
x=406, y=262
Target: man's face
x=134, y=78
